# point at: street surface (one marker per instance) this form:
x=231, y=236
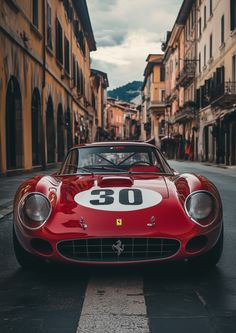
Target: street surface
x=165, y=298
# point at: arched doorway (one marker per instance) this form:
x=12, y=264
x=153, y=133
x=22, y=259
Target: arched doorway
x=50, y=132
x=68, y=129
x=36, y=128
x=60, y=133
x=14, y=125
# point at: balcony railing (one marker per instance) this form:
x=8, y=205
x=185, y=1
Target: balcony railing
x=187, y=74
x=184, y=114
x=157, y=107
x=224, y=94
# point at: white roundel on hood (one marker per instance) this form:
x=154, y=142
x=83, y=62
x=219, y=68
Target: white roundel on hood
x=118, y=199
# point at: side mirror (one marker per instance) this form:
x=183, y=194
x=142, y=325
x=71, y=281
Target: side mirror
x=176, y=173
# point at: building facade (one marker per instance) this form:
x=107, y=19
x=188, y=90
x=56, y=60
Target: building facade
x=200, y=62
x=123, y=121
x=216, y=80
x=45, y=88
x=115, y=119
x=180, y=61
x=99, y=81
x=153, y=91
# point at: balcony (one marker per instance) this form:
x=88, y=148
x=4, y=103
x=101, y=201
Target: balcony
x=186, y=113
x=187, y=74
x=224, y=95
x=157, y=107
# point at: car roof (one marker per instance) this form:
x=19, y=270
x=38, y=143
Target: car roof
x=115, y=143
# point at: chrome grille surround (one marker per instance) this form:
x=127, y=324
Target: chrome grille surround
x=135, y=249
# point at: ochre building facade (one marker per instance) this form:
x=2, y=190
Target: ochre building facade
x=46, y=97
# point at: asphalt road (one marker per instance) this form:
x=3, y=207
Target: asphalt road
x=166, y=298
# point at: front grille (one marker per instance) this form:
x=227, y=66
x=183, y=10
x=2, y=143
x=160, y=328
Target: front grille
x=118, y=249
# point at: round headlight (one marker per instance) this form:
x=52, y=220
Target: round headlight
x=200, y=206
x=35, y=210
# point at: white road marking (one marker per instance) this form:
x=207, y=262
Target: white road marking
x=114, y=304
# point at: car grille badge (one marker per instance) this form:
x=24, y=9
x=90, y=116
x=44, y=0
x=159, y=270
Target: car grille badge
x=118, y=247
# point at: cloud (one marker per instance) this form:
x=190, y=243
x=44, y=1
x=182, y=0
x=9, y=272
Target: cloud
x=102, y=5
x=126, y=31
x=126, y=62
x=110, y=37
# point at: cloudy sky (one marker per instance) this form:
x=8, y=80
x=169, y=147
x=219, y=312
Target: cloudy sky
x=126, y=31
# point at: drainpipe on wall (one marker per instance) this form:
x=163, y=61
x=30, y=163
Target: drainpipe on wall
x=71, y=100
x=43, y=125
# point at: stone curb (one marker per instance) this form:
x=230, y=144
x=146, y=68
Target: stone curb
x=6, y=211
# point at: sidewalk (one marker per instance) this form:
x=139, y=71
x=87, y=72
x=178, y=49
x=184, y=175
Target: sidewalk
x=221, y=166
x=9, y=185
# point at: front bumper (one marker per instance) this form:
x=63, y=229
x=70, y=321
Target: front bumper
x=117, y=249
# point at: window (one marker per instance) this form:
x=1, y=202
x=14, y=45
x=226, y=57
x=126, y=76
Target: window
x=222, y=30
x=162, y=74
x=234, y=68
x=74, y=70
x=67, y=55
x=80, y=39
x=204, y=55
x=82, y=81
x=200, y=27
x=210, y=5
x=232, y=15
x=49, y=26
x=35, y=13
x=192, y=18
x=67, y=7
x=78, y=78
x=199, y=63
x=163, y=95
x=59, y=46
x=205, y=15
x=211, y=45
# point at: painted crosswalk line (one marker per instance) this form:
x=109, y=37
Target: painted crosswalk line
x=114, y=304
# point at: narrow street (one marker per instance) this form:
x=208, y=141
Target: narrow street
x=165, y=298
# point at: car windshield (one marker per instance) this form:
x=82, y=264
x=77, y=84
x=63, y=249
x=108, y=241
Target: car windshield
x=113, y=159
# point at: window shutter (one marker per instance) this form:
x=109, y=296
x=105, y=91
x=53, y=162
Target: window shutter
x=232, y=14
x=71, y=13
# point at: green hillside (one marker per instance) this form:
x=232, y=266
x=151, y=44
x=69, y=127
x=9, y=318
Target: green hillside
x=127, y=92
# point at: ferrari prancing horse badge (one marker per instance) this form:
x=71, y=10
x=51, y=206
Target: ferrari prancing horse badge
x=119, y=222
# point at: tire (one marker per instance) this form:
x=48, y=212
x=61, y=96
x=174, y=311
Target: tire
x=24, y=258
x=212, y=257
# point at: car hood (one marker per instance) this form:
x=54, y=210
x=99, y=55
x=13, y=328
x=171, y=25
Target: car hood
x=101, y=206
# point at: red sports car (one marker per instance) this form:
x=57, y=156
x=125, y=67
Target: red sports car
x=117, y=203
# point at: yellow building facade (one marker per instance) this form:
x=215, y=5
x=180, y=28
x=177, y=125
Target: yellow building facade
x=100, y=83
x=45, y=88
x=153, y=99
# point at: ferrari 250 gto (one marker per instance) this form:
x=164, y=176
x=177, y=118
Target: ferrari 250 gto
x=117, y=203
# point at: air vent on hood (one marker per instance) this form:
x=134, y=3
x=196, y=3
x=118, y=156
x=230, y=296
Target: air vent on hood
x=115, y=181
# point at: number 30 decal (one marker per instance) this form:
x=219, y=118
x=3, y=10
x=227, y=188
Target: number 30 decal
x=126, y=197
x=118, y=199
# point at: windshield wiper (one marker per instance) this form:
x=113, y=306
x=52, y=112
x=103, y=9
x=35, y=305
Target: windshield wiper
x=99, y=167
x=76, y=170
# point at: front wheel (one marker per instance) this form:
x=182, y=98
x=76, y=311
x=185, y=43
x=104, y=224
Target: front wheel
x=24, y=258
x=211, y=258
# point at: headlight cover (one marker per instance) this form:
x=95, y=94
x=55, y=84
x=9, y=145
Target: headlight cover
x=200, y=207
x=35, y=210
